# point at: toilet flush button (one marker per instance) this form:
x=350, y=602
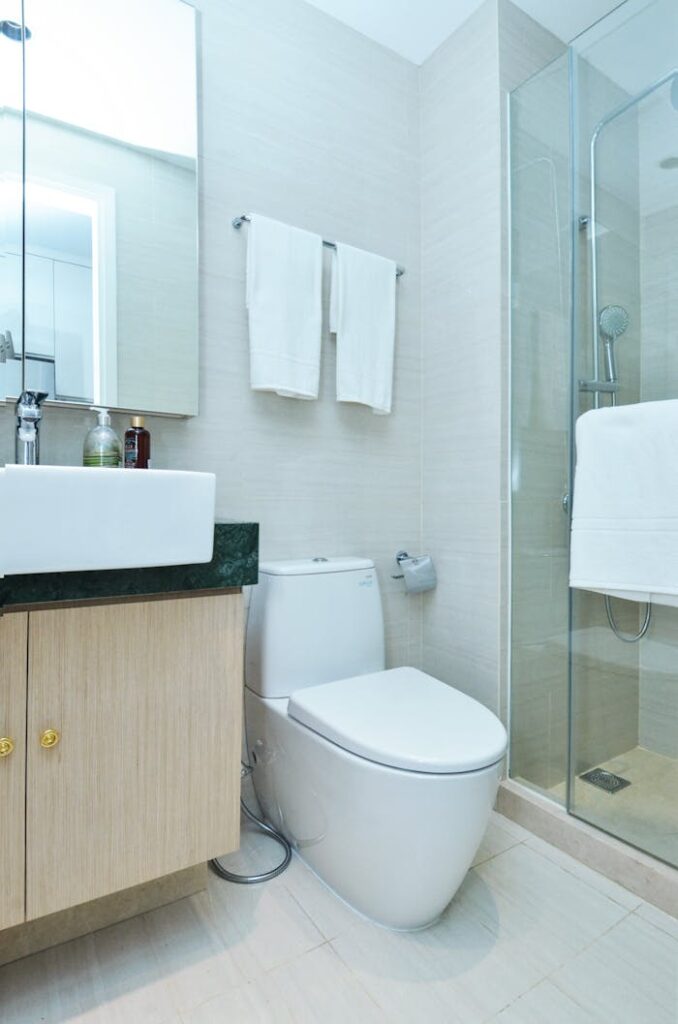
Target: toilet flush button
x=320, y=559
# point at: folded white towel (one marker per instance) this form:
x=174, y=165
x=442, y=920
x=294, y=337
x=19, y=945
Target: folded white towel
x=284, y=301
x=362, y=314
x=625, y=513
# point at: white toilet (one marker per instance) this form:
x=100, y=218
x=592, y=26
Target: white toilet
x=382, y=780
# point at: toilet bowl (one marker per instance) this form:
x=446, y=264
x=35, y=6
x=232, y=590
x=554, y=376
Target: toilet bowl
x=383, y=780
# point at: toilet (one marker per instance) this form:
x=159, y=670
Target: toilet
x=382, y=780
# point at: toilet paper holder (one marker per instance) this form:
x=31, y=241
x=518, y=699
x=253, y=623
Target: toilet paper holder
x=400, y=557
x=418, y=572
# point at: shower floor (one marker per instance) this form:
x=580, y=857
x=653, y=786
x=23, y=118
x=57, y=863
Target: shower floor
x=644, y=814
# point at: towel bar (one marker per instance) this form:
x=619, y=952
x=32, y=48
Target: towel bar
x=238, y=222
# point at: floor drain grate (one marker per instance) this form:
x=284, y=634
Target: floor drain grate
x=608, y=781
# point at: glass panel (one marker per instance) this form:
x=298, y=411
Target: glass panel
x=11, y=172
x=625, y=695
x=540, y=347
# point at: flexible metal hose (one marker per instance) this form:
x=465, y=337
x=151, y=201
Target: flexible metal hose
x=264, y=876
x=617, y=632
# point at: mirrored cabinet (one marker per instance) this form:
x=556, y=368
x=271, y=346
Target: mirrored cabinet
x=98, y=194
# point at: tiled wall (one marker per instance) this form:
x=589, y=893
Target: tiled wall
x=307, y=121
x=464, y=319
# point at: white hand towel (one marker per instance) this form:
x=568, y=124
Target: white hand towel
x=363, y=316
x=625, y=513
x=284, y=302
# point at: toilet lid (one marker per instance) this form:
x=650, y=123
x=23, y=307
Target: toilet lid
x=403, y=718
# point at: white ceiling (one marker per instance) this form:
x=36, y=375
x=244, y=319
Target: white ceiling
x=415, y=28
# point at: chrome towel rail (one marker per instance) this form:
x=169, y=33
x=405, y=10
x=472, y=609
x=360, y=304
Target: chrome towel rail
x=245, y=218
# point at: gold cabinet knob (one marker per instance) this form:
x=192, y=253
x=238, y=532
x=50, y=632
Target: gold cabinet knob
x=6, y=746
x=49, y=738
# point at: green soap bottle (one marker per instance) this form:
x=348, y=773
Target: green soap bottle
x=102, y=445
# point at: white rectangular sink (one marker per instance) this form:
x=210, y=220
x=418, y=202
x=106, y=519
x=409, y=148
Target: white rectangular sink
x=68, y=519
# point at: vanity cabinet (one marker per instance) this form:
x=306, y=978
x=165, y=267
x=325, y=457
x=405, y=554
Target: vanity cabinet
x=13, y=646
x=132, y=753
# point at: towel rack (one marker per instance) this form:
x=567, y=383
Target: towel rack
x=238, y=222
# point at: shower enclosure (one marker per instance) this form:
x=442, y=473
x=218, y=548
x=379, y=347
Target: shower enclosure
x=594, y=322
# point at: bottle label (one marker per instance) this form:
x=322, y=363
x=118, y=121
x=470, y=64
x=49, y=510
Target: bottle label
x=131, y=451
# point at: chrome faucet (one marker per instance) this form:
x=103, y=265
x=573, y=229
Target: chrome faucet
x=28, y=416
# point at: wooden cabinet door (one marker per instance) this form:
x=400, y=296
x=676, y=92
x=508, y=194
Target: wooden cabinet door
x=144, y=779
x=13, y=641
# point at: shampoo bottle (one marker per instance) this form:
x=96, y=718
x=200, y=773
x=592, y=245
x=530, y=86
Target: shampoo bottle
x=102, y=445
x=137, y=445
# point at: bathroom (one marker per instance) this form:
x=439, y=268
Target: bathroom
x=517, y=162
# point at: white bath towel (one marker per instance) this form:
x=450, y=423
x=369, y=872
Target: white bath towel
x=284, y=302
x=625, y=513
x=362, y=315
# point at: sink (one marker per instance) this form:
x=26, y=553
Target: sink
x=68, y=519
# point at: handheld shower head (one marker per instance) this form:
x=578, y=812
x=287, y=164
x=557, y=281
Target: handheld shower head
x=612, y=322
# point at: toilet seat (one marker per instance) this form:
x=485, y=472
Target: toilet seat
x=403, y=718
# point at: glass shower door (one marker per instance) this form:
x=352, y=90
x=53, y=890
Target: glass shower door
x=624, y=691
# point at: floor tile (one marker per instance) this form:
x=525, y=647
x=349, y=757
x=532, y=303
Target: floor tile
x=191, y=953
x=62, y=984
x=530, y=901
x=628, y=976
x=602, y=885
x=329, y=913
x=545, y=1004
x=315, y=987
x=262, y=925
x=659, y=919
x=500, y=836
x=134, y=984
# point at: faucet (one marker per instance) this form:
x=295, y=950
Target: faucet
x=28, y=416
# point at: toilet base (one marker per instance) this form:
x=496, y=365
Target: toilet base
x=392, y=844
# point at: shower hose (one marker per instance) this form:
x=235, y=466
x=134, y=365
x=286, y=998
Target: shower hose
x=264, y=876
x=615, y=628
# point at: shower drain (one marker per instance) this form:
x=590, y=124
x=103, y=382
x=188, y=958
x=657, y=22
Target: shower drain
x=608, y=781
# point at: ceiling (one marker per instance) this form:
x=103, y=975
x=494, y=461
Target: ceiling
x=415, y=28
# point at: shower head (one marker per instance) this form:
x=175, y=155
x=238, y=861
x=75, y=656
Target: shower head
x=14, y=31
x=612, y=322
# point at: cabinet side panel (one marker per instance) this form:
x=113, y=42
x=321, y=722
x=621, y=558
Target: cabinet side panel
x=13, y=641
x=147, y=699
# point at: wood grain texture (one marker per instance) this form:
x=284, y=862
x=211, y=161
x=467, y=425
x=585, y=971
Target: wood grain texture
x=145, y=780
x=13, y=639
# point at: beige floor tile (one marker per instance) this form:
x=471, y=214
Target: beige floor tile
x=459, y=971
x=602, y=885
x=134, y=984
x=62, y=984
x=191, y=953
x=545, y=1004
x=628, y=976
x=500, y=836
x=263, y=926
x=329, y=913
x=659, y=919
x=316, y=987
x=531, y=902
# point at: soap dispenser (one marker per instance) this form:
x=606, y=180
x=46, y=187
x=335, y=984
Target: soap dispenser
x=102, y=445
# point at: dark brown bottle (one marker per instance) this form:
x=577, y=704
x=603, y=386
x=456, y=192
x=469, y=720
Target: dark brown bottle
x=137, y=445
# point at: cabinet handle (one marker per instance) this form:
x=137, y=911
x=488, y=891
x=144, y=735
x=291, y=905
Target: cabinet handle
x=6, y=746
x=49, y=738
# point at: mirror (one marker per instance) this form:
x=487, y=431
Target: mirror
x=111, y=264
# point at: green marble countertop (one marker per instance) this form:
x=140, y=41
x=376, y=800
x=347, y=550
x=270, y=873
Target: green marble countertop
x=234, y=564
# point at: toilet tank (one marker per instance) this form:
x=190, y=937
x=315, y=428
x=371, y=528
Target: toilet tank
x=312, y=621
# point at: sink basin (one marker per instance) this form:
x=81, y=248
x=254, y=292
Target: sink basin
x=68, y=519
